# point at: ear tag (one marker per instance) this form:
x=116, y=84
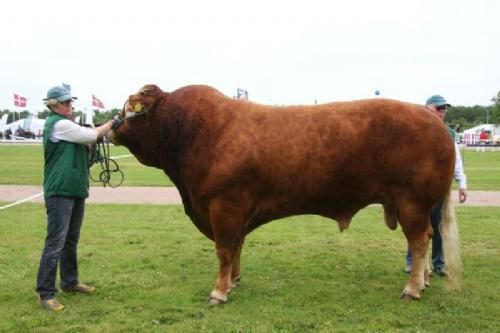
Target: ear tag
x=138, y=107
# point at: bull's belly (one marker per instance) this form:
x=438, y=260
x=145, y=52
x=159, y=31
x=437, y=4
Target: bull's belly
x=337, y=210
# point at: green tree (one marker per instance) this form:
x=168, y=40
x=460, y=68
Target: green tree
x=495, y=112
x=469, y=117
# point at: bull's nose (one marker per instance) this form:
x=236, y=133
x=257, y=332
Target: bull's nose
x=111, y=137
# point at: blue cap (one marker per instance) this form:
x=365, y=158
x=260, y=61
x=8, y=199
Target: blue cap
x=60, y=94
x=437, y=100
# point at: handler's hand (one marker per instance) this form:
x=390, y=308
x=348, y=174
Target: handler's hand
x=462, y=195
x=103, y=129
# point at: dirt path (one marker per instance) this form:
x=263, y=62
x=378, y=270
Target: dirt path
x=170, y=195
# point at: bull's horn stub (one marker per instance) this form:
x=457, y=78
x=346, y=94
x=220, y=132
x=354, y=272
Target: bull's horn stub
x=138, y=107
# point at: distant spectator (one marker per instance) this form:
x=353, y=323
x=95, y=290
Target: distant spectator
x=483, y=136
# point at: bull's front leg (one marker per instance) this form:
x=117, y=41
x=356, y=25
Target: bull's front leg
x=227, y=225
x=427, y=271
x=235, y=267
x=223, y=284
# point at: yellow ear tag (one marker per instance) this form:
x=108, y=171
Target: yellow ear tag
x=138, y=107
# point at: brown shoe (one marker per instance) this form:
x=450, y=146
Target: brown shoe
x=81, y=288
x=51, y=304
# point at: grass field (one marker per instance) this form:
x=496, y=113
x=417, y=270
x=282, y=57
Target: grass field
x=154, y=270
x=24, y=165
x=482, y=169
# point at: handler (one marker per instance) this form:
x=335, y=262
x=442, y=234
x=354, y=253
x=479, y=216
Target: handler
x=438, y=105
x=65, y=184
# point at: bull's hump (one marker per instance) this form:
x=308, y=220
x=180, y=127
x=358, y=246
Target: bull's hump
x=200, y=90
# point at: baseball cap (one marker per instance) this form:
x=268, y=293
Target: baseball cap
x=437, y=100
x=59, y=93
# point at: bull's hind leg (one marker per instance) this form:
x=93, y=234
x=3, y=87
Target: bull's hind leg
x=415, y=222
x=228, y=227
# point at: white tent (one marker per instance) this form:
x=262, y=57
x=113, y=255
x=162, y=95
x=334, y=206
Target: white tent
x=471, y=136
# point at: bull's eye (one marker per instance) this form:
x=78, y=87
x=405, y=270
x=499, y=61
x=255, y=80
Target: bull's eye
x=127, y=108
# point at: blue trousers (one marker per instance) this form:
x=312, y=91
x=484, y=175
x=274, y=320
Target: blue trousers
x=64, y=221
x=437, y=241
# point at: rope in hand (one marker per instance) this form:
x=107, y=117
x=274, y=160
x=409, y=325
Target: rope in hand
x=109, y=173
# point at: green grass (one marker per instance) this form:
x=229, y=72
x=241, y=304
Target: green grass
x=23, y=165
x=154, y=270
x=482, y=169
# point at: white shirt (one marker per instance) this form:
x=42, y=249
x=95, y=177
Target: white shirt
x=460, y=177
x=70, y=131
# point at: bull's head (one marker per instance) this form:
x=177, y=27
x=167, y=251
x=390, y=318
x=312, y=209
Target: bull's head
x=137, y=105
x=132, y=126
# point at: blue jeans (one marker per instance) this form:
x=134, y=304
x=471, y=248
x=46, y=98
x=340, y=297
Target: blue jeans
x=64, y=220
x=437, y=242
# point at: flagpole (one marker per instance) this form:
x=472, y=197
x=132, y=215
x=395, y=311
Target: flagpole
x=14, y=108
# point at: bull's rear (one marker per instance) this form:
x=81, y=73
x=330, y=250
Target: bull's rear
x=239, y=164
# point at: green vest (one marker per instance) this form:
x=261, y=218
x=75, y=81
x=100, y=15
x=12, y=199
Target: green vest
x=452, y=132
x=65, y=171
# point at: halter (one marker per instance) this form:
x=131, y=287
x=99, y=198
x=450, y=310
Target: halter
x=118, y=120
x=110, y=173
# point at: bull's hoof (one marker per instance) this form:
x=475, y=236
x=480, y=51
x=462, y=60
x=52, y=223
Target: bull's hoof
x=214, y=301
x=407, y=297
x=216, y=298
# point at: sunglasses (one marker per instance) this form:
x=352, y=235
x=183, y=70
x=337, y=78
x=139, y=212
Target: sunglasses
x=67, y=103
x=441, y=108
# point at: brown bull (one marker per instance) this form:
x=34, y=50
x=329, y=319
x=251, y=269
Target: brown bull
x=238, y=165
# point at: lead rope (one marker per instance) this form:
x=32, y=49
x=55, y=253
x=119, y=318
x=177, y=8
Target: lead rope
x=109, y=173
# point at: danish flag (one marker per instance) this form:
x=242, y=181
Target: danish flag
x=97, y=102
x=19, y=101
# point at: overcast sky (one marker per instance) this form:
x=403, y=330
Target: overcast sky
x=281, y=52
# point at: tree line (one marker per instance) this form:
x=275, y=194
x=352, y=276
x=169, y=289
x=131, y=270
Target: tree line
x=460, y=117
x=465, y=117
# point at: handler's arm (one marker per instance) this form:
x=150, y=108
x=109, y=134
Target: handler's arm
x=72, y=132
x=460, y=176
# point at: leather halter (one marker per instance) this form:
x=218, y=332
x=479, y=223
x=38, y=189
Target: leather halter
x=118, y=121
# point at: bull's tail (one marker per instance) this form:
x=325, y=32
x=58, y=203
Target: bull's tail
x=451, y=243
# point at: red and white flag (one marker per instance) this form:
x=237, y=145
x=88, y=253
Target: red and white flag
x=19, y=101
x=97, y=102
